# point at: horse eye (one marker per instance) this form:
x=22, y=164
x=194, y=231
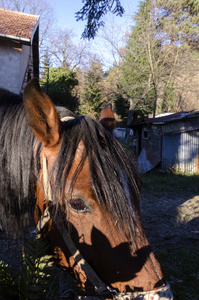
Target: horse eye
x=78, y=205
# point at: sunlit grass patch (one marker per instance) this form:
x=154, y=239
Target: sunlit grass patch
x=159, y=182
x=188, y=210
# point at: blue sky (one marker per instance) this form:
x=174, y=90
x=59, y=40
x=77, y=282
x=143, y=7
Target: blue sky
x=66, y=9
x=65, y=14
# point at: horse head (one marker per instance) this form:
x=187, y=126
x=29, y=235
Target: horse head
x=90, y=186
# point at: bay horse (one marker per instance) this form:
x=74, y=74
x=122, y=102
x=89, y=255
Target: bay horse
x=85, y=190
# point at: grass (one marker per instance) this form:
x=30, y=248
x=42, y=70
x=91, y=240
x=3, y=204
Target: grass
x=158, y=182
x=180, y=267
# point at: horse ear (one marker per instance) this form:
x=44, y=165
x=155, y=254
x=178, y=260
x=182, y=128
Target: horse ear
x=107, y=118
x=41, y=114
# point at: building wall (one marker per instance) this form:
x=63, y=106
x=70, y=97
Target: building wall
x=177, y=143
x=151, y=136
x=181, y=151
x=13, y=62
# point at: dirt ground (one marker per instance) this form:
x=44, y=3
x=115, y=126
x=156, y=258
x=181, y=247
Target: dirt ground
x=171, y=219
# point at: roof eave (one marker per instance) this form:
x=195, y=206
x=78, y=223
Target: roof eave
x=12, y=37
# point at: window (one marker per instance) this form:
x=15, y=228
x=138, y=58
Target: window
x=145, y=134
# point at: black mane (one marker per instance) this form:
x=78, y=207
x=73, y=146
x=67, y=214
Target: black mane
x=16, y=178
x=113, y=171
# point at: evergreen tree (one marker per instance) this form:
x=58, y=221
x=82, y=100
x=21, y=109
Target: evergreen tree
x=153, y=55
x=45, y=70
x=137, y=67
x=183, y=17
x=91, y=95
x=93, y=11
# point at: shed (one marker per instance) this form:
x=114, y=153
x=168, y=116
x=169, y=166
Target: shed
x=172, y=140
x=19, y=49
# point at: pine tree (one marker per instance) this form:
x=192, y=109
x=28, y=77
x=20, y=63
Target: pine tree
x=183, y=17
x=91, y=96
x=153, y=56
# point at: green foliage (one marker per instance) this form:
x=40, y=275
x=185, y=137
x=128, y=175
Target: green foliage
x=37, y=279
x=93, y=11
x=169, y=98
x=121, y=106
x=91, y=95
x=136, y=75
x=183, y=17
x=59, y=84
x=36, y=270
x=181, y=271
x=158, y=47
x=8, y=282
x=157, y=182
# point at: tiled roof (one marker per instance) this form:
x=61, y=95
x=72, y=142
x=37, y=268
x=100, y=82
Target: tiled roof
x=17, y=24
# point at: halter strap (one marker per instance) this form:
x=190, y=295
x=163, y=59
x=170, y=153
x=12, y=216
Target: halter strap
x=45, y=217
x=100, y=287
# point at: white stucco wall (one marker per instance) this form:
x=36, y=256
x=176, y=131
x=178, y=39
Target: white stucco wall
x=13, y=62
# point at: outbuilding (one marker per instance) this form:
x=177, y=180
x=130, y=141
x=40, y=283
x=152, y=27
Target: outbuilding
x=19, y=49
x=168, y=141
